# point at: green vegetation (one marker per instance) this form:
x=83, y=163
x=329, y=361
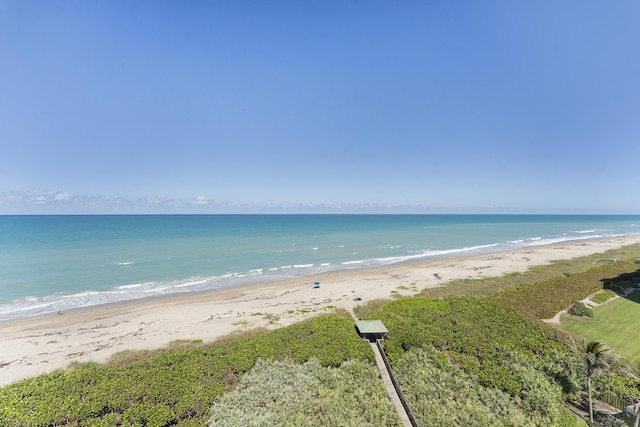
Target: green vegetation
x=172, y=387
x=580, y=309
x=603, y=296
x=615, y=380
x=465, y=325
x=286, y=394
x=542, y=300
x=556, y=269
x=363, y=310
x=594, y=354
x=183, y=343
x=466, y=354
x=442, y=394
x=616, y=323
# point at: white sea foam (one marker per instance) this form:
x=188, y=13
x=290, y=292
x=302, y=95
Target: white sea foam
x=554, y=240
x=280, y=262
x=194, y=283
x=40, y=306
x=81, y=294
x=157, y=290
x=136, y=285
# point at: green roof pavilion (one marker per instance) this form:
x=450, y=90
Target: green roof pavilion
x=371, y=329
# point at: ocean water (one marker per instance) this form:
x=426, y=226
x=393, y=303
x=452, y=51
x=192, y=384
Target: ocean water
x=50, y=263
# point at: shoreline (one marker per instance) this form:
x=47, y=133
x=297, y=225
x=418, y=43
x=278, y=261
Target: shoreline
x=44, y=343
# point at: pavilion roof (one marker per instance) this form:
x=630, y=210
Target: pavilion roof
x=371, y=327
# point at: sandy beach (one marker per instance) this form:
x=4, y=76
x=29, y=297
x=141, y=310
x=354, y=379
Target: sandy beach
x=42, y=344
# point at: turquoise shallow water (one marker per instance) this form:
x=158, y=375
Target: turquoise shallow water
x=49, y=263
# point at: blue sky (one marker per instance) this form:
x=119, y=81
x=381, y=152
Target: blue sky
x=332, y=106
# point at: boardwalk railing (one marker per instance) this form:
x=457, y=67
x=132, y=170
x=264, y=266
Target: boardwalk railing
x=396, y=385
x=613, y=400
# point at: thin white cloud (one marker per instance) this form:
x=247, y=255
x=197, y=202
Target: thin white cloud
x=63, y=196
x=201, y=201
x=39, y=197
x=62, y=202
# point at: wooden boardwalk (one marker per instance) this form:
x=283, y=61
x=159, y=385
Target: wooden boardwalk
x=388, y=383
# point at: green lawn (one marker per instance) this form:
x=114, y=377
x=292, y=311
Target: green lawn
x=616, y=323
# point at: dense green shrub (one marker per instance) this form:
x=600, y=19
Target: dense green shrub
x=440, y=394
x=603, y=296
x=542, y=300
x=495, y=346
x=607, y=420
x=579, y=309
x=484, y=286
x=286, y=394
x=443, y=394
x=171, y=386
x=539, y=395
x=466, y=325
x=626, y=388
x=566, y=368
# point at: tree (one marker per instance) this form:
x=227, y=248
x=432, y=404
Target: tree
x=595, y=358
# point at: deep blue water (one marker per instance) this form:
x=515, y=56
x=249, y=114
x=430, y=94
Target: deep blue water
x=60, y=262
